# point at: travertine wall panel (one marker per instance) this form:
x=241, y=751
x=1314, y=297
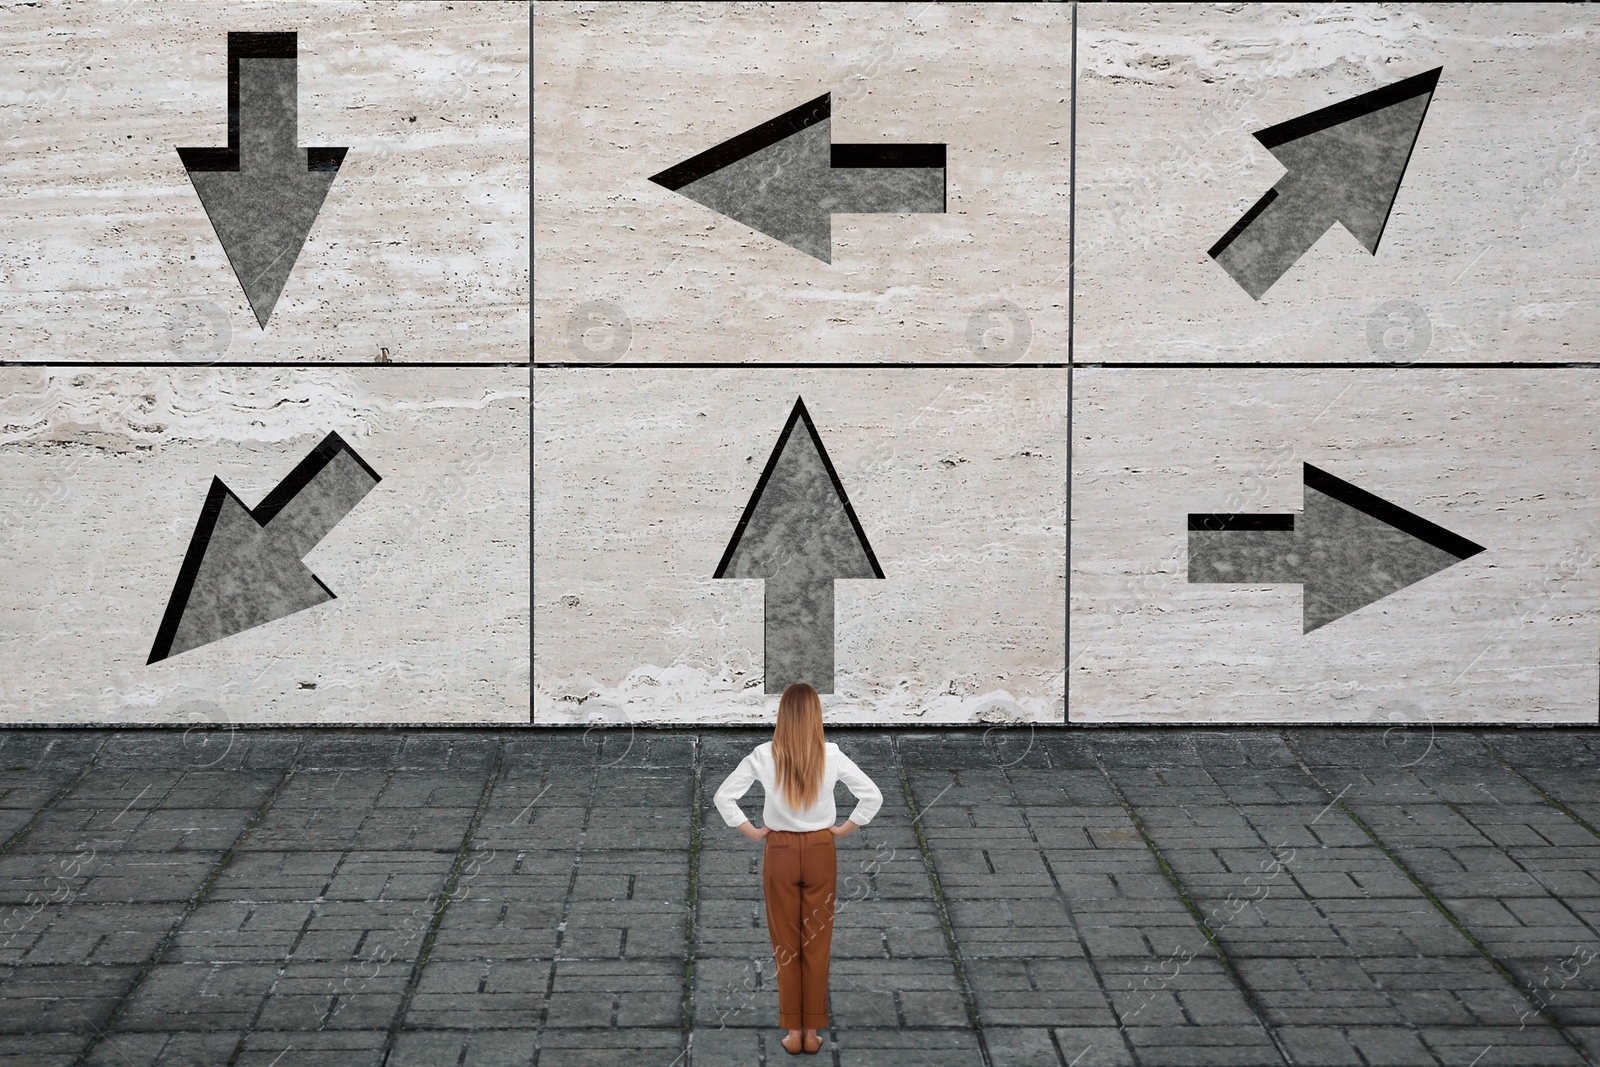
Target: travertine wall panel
x=1486, y=248
x=624, y=91
x=420, y=251
x=1505, y=458
x=105, y=474
x=958, y=478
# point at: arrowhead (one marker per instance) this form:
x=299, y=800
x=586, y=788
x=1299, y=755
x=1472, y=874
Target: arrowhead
x=1356, y=548
x=799, y=525
x=262, y=221
x=234, y=577
x=1350, y=158
x=775, y=178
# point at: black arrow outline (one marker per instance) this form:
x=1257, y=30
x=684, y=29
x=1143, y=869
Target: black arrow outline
x=799, y=414
x=254, y=46
x=263, y=513
x=1353, y=496
x=840, y=156
x=1328, y=117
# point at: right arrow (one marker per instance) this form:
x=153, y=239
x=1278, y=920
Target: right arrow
x=799, y=533
x=786, y=178
x=1345, y=164
x=1348, y=548
x=263, y=191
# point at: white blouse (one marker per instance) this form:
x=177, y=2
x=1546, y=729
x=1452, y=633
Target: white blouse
x=777, y=814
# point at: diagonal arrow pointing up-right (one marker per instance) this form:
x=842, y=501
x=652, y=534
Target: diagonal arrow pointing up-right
x=1345, y=163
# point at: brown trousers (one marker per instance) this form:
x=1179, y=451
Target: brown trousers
x=797, y=873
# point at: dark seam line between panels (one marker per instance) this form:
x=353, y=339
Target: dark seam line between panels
x=1548, y=798
x=1072, y=181
x=1422, y=887
x=445, y=896
x=969, y=1001
x=1066, y=907
x=1329, y=365
x=174, y=364
x=878, y=365
x=566, y=910
x=691, y=921
x=49, y=805
x=1246, y=990
x=195, y=900
x=1072, y=277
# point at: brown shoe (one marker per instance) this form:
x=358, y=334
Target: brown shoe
x=793, y=1050
x=813, y=1045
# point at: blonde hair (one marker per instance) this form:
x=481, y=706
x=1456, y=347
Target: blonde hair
x=797, y=745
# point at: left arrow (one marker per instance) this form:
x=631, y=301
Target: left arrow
x=243, y=567
x=263, y=191
x=799, y=533
x=786, y=178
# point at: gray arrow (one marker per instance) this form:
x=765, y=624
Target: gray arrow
x=243, y=567
x=798, y=533
x=263, y=191
x=1345, y=163
x=1348, y=548
x=786, y=178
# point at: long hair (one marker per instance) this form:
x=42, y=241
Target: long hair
x=797, y=745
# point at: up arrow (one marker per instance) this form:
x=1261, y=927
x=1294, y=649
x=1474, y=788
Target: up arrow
x=1348, y=548
x=243, y=567
x=786, y=178
x=798, y=533
x=263, y=191
x=1345, y=163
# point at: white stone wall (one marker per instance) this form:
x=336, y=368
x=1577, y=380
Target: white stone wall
x=958, y=478
x=105, y=474
x=420, y=252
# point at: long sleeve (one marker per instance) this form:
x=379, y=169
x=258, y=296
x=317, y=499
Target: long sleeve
x=868, y=798
x=733, y=787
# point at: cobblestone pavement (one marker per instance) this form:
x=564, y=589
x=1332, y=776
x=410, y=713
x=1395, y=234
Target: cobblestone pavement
x=1053, y=897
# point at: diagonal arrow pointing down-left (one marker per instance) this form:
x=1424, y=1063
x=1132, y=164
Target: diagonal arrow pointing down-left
x=263, y=191
x=243, y=567
x=799, y=533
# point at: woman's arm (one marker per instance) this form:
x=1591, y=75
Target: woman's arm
x=868, y=798
x=732, y=788
x=748, y=829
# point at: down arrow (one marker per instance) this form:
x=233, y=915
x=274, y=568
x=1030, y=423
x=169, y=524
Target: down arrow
x=262, y=192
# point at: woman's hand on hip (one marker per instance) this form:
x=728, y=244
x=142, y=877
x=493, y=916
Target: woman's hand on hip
x=754, y=833
x=844, y=829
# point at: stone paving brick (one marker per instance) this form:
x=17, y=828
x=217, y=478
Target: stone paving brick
x=163, y=1050
x=903, y=1047
x=610, y=1048
x=616, y=993
x=40, y=1049
x=507, y=1047
x=59, y=998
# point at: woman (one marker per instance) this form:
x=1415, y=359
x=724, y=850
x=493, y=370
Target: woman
x=797, y=770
